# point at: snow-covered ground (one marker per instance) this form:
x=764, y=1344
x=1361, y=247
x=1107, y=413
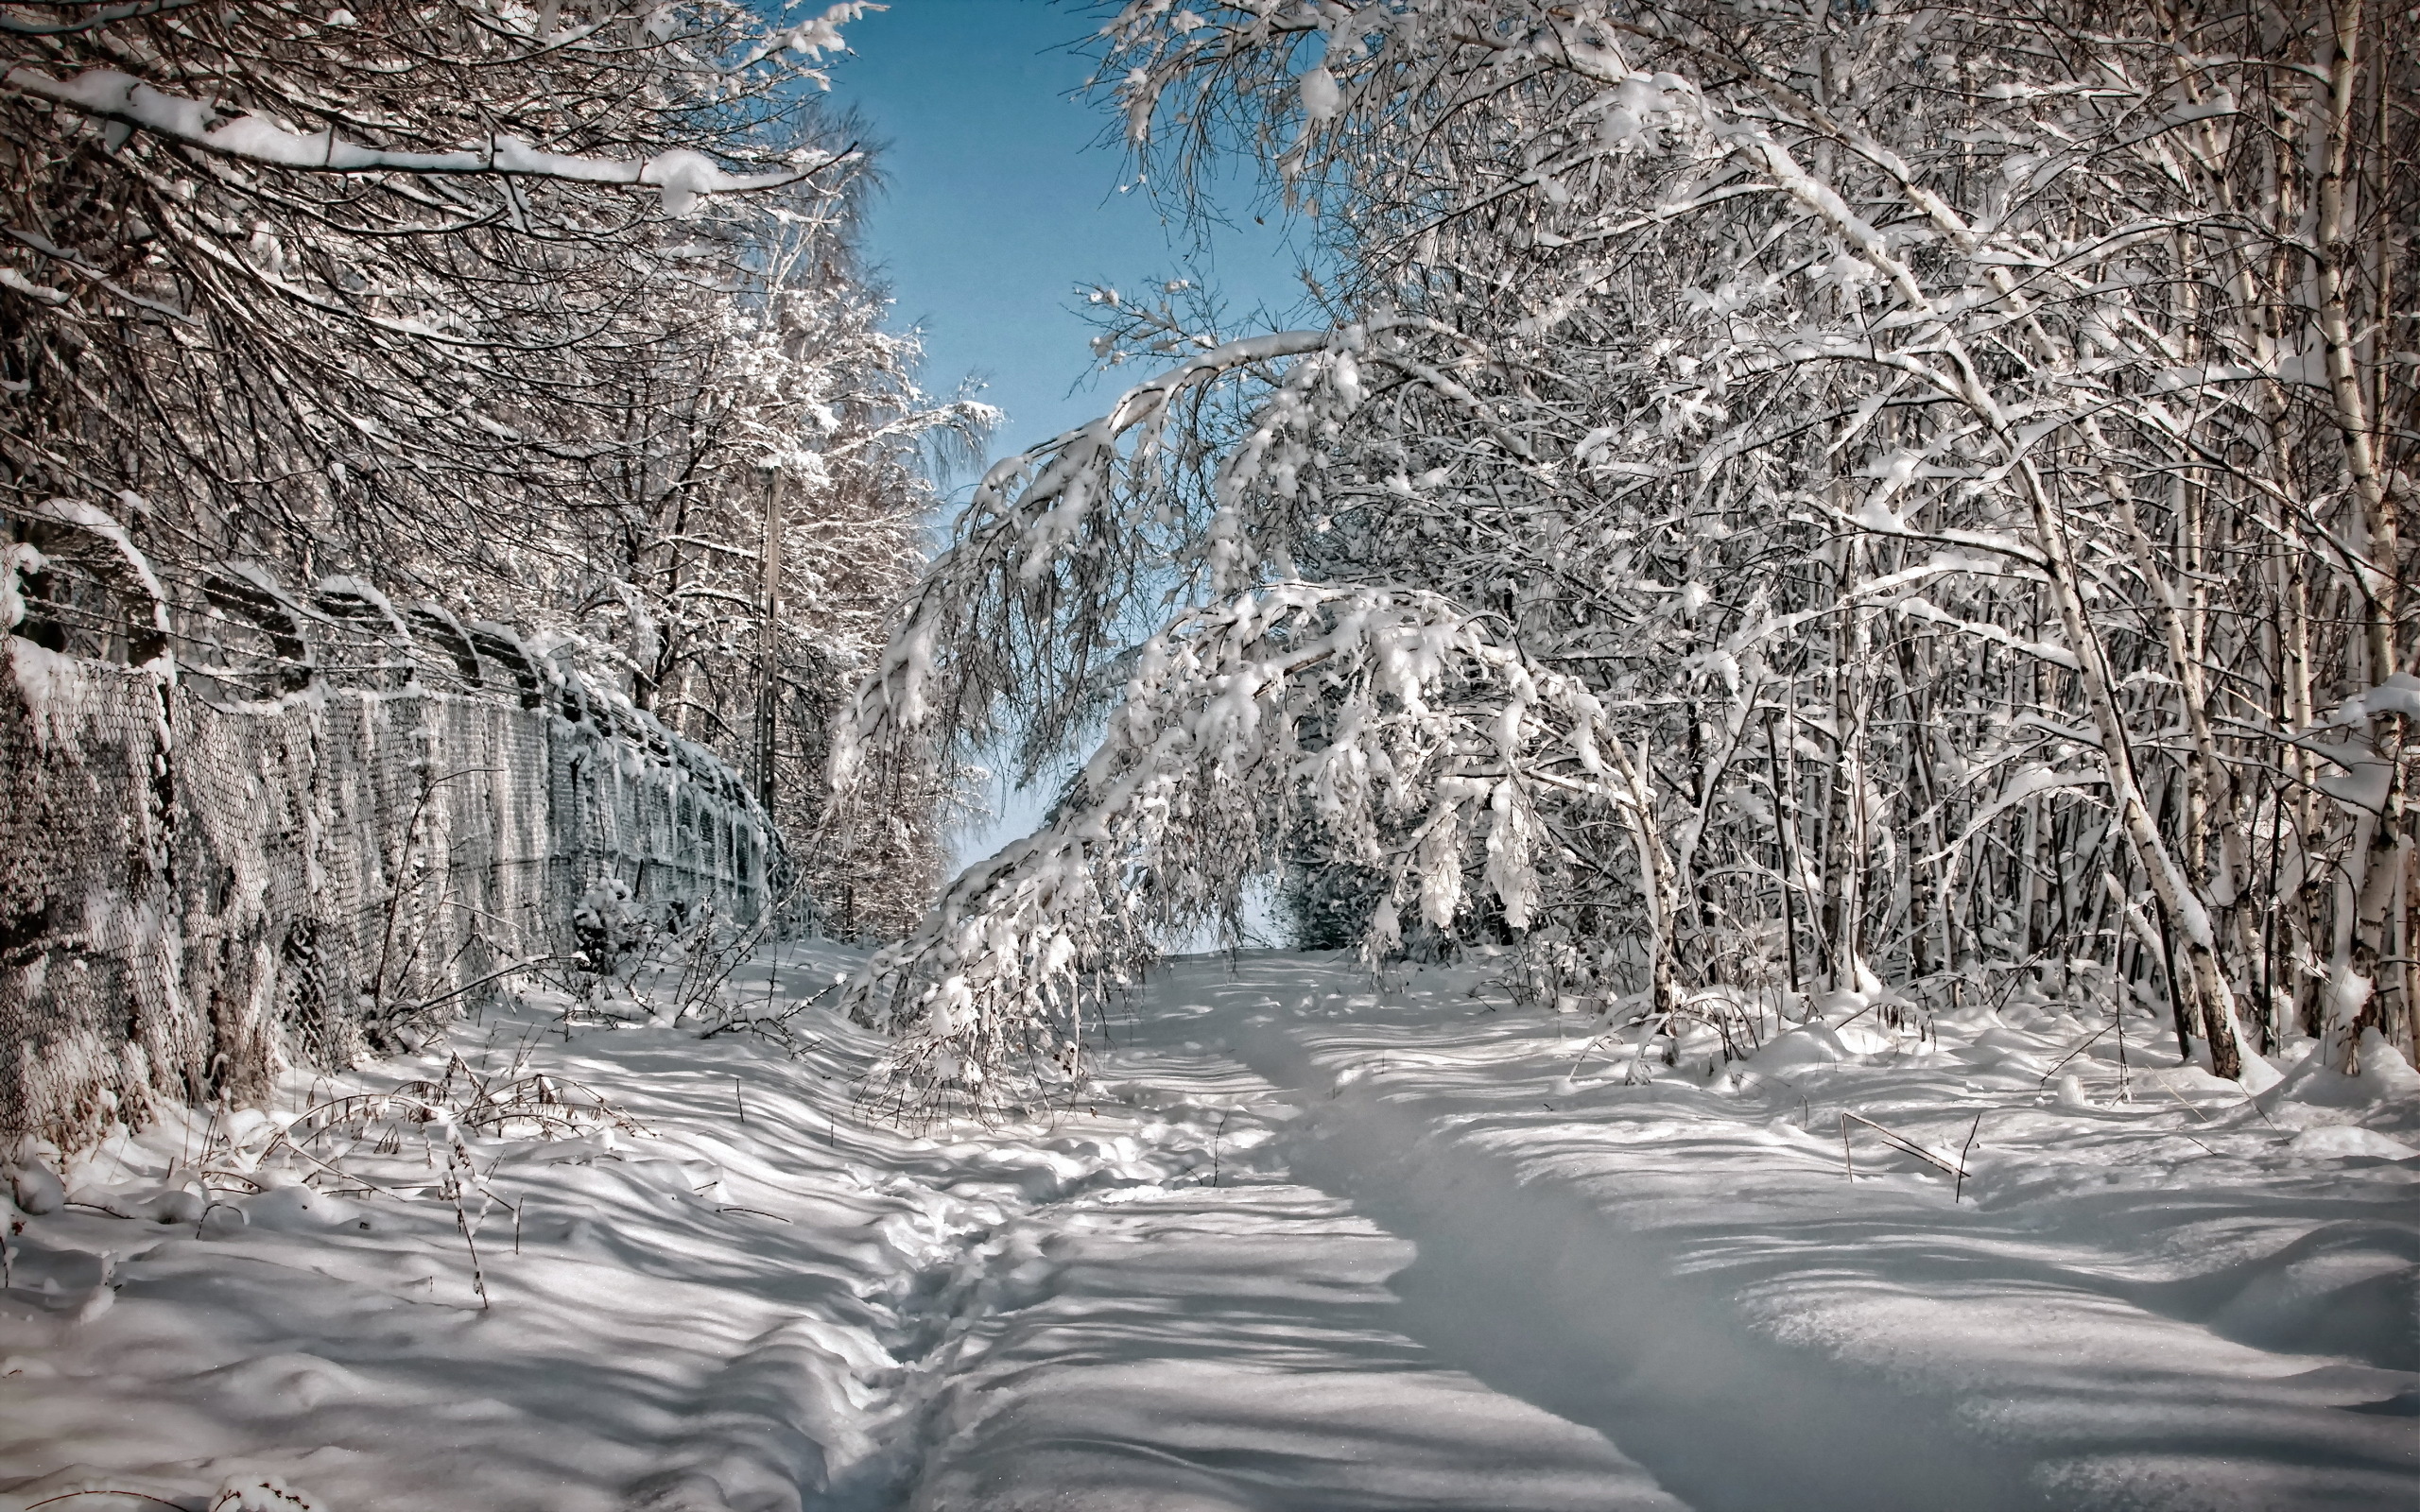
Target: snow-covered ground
x=1308, y=1243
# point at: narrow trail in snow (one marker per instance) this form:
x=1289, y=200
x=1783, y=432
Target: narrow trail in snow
x=1225, y=1342
x=1536, y=1295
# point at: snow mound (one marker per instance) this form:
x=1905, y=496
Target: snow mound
x=35, y=1189
x=2337, y=1142
x=1812, y=1044
x=2385, y=1078
x=296, y=1208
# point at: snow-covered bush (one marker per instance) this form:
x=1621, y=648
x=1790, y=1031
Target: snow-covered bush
x=608, y=929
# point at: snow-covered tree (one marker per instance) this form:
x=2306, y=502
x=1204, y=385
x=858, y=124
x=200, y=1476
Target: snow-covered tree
x=1813, y=505
x=540, y=312
x=334, y=288
x=741, y=551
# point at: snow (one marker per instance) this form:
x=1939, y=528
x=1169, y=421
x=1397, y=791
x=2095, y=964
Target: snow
x=35, y=1189
x=86, y=517
x=1304, y=1241
x=2365, y=785
x=11, y=278
x=48, y=682
x=1322, y=97
x=2398, y=695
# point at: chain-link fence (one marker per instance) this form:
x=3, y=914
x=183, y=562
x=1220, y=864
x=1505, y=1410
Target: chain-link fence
x=241, y=826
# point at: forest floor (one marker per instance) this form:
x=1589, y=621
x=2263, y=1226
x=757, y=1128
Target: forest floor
x=1307, y=1242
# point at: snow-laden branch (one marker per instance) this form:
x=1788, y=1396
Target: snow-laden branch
x=2005, y=398
x=1042, y=552
x=129, y=104
x=17, y=25
x=1431, y=737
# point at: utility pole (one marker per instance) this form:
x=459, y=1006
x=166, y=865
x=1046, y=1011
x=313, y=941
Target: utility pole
x=768, y=640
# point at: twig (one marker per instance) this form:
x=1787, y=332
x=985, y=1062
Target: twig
x=365, y=1183
x=474, y=987
x=2072, y=1054
x=2254, y=1103
x=1900, y=1142
x=2118, y=1022
x=2197, y=1113
x=2181, y=1102
x=1851, y=1019
x=462, y=1219
x=1976, y=1127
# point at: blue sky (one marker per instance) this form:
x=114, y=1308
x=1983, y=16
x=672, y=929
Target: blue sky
x=1002, y=198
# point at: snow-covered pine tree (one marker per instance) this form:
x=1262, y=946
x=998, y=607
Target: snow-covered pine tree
x=1812, y=504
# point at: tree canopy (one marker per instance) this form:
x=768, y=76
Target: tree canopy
x=1845, y=504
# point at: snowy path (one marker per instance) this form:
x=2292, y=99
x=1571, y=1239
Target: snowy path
x=1237, y=1346
x=1308, y=1245
x=1203, y=1348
